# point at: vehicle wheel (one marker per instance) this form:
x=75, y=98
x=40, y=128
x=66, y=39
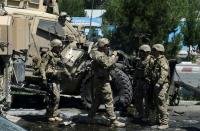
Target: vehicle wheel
x=122, y=89
x=85, y=90
x=121, y=86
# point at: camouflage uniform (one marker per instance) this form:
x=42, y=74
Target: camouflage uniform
x=48, y=71
x=101, y=82
x=64, y=28
x=102, y=64
x=143, y=79
x=161, y=71
x=161, y=80
x=148, y=85
x=36, y=65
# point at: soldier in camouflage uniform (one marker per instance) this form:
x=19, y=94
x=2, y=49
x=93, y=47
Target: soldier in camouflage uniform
x=48, y=71
x=143, y=73
x=160, y=77
x=102, y=63
x=64, y=26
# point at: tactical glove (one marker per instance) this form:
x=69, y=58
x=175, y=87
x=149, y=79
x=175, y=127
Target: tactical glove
x=115, y=58
x=157, y=86
x=114, y=53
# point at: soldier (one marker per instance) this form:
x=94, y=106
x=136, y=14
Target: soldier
x=65, y=26
x=143, y=73
x=47, y=68
x=160, y=77
x=102, y=63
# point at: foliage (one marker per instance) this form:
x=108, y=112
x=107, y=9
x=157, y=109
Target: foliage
x=191, y=31
x=76, y=7
x=144, y=21
x=98, y=4
x=72, y=7
x=173, y=47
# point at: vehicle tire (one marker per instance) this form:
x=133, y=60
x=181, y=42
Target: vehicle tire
x=85, y=90
x=121, y=86
x=122, y=89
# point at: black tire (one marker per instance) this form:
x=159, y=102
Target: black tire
x=85, y=90
x=122, y=89
x=121, y=86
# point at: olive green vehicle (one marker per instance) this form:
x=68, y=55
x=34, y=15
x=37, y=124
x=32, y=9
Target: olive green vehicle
x=25, y=34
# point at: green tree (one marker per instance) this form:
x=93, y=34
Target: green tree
x=144, y=21
x=72, y=7
x=174, y=47
x=97, y=4
x=191, y=31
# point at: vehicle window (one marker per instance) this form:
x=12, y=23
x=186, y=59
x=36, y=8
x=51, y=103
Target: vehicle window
x=31, y=4
x=35, y=1
x=49, y=29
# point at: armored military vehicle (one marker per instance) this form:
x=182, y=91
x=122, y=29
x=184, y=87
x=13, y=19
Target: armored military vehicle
x=20, y=39
x=25, y=34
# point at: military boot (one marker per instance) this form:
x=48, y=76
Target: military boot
x=164, y=122
x=51, y=119
x=117, y=123
x=162, y=127
x=58, y=118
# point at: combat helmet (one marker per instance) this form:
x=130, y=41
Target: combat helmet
x=102, y=42
x=56, y=43
x=159, y=47
x=145, y=48
x=63, y=14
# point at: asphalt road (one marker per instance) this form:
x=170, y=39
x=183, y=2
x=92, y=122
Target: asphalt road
x=185, y=117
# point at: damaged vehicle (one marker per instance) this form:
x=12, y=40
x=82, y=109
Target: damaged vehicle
x=25, y=34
